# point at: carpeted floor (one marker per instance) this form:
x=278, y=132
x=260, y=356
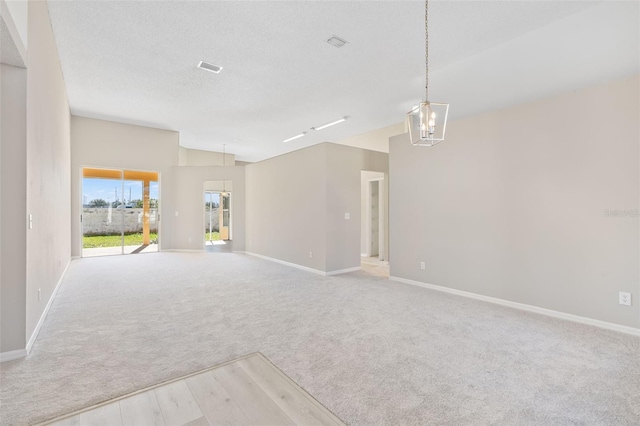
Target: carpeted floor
x=371, y=350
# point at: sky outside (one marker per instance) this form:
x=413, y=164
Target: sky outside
x=106, y=189
x=212, y=197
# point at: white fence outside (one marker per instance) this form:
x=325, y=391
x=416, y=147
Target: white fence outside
x=108, y=221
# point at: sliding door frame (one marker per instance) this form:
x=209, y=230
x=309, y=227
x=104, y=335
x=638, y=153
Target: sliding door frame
x=122, y=178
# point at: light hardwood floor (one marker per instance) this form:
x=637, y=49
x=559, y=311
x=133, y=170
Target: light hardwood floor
x=247, y=391
x=375, y=267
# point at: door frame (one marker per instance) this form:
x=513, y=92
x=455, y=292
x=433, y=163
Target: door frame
x=228, y=183
x=381, y=219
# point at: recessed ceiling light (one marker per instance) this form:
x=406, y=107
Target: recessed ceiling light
x=337, y=41
x=209, y=67
x=333, y=123
x=295, y=137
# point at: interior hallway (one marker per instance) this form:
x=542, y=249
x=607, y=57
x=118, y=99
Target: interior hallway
x=369, y=349
x=375, y=267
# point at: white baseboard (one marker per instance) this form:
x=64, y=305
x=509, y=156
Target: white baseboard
x=304, y=268
x=34, y=335
x=364, y=255
x=524, y=307
x=11, y=355
x=283, y=262
x=343, y=271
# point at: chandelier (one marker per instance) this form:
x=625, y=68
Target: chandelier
x=427, y=121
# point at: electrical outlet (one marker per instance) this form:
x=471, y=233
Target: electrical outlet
x=31, y=224
x=310, y=254
x=190, y=239
x=39, y=294
x=423, y=265
x=624, y=298
x=347, y=216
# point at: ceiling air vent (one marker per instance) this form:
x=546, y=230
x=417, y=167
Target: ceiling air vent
x=336, y=41
x=209, y=67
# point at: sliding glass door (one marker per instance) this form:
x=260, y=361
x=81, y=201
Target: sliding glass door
x=211, y=217
x=119, y=212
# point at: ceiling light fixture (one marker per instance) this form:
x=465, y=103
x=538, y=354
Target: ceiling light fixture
x=209, y=67
x=295, y=137
x=333, y=123
x=426, y=128
x=337, y=41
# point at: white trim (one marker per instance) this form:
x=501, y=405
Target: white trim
x=34, y=335
x=343, y=271
x=282, y=262
x=304, y=268
x=363, y=255
x=524, y=307
x=11, y=355
x=185, y=250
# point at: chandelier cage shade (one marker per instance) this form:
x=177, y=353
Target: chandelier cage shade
x=427, y=123
x=224, y=192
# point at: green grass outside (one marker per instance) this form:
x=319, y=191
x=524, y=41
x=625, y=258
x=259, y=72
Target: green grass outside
x=215, y=236
x=96, y=241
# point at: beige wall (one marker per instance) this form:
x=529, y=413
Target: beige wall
x=19, y=15
x=512, y=205
x=107, y=144
x=13, y=31
x=286, y=199
x=196, y=157
x=218, y=185
x=187, y=228
x=296, y=204
x=35, y=181
x=376, y=140
x=13, y=202
x=48, y=165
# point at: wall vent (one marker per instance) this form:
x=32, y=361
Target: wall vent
x=336, y=41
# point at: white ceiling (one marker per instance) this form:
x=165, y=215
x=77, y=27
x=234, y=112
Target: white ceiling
x=135, y=62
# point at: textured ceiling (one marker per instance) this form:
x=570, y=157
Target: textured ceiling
x=135, y=61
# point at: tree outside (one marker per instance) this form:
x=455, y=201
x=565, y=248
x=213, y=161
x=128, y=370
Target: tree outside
x=98, y=202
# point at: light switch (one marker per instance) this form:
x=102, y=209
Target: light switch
x=347, y=216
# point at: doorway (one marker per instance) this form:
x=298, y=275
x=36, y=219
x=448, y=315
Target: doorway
x=211, y=218
x=217, y=216
x=372, y=232
x=374, y=217
x=120, y=212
